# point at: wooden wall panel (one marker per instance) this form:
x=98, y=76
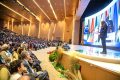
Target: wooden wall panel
x=51, y=30
x=34, y=29
x=88, y=71
x=25, y=29
x=58, y=35
x=47, y=29
x=68, y=29
x=17, y=29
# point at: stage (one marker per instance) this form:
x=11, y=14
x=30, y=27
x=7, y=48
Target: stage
x=109, y=62
x=92, y=68
x=95, y=53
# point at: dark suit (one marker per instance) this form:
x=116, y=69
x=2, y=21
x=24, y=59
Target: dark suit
x=42, y=75
x=103, y=36
x=27, y=65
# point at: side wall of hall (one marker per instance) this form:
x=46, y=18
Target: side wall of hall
x=61, y=30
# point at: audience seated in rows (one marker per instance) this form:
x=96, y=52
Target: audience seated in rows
x=17, y=61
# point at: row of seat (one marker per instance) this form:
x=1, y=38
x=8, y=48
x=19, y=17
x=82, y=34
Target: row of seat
x=15, y=49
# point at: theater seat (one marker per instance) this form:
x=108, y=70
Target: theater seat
x=4, y=73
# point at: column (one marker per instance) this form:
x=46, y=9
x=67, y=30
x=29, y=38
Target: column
x=39, y=29
x=8, y=25
x=75, y=31
x=12, y=23
x=29, y=28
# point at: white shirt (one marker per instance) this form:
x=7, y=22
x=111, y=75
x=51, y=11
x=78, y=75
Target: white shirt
x=15, y=76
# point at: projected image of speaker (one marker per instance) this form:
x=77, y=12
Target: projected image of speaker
x=92, y=25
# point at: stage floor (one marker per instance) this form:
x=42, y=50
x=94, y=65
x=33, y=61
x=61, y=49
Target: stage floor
x=44, y=57
x=95, y=51
x=109, y=62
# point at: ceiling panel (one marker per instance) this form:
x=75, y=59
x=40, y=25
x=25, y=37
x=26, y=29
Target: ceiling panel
x=6, y=13
x=71, y=7
x=46, y=7
x=31, y=6
x=12, y=4
x=58, y=6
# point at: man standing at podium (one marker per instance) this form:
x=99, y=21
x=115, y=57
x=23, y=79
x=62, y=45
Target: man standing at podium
x=103, y=36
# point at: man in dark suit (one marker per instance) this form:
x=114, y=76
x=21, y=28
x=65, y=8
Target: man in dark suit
x=42, y=75
x=103, y=35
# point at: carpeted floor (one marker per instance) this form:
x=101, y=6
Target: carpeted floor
x=46, y=65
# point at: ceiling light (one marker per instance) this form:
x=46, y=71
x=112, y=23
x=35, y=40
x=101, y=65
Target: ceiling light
x=14, y=11
x=28, y=10
x=41, y=9
x=65, y=8
x=38, y=18
x=52, y=9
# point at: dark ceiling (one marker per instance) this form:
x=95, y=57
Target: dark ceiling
x=95, y=6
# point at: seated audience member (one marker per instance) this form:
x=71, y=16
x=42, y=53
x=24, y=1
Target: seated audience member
x=19, y=51
x=17, y=69
x=4, y=72
x=11, y=50
x=24, y=46
x=11, y=46
x=15, y=54
x=43, y=75
x=26, y=77
x=1, y=59
x=35, y=63
x=5, y=54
